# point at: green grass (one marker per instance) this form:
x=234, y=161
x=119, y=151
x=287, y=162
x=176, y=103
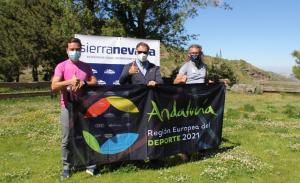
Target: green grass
x=261, y=143
x=19, y=90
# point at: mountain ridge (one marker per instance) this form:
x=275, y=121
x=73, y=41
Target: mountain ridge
x=244, y=72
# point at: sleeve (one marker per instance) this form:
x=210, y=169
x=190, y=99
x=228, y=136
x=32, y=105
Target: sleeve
x=182, y=69
x=125, y=78
x=158, y=78
x=58, y=72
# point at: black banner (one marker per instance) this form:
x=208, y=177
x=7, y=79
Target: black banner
x=117, y=123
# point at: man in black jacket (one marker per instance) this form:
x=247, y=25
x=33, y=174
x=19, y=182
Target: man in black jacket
x=141, y=71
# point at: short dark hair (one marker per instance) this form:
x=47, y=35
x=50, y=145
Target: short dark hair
x=74, y=40
x=143, y=44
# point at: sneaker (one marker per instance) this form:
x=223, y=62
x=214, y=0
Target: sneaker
x=65, y=174
x=92, y=171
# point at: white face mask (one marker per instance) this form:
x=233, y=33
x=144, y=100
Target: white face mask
x=142, y=57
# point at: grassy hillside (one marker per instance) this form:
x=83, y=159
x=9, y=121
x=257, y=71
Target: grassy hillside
x=260, y=144
x=244, y=72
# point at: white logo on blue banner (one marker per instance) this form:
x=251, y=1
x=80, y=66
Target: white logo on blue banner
x=108, y=55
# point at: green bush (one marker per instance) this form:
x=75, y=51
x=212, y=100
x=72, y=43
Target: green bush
x=221, y=70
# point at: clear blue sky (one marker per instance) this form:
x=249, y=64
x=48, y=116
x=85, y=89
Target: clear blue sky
x=262, y=32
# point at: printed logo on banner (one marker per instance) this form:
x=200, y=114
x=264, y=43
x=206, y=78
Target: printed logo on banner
x=116, y=82
x=105, y=49
x=119, y=142
x=115, y=50
x=109, y=71
x=94, y=71
x=105, y=52
x=174, y=112
x=101, y=82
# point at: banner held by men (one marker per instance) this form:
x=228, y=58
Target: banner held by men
x=118, y=123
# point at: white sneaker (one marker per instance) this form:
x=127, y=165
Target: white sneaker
x=92, y=171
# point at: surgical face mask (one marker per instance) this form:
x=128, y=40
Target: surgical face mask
x=142, y=57
x=74, y=55
x=194, y=58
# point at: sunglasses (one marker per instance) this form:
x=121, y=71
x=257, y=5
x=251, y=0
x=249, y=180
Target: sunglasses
x=139, y=52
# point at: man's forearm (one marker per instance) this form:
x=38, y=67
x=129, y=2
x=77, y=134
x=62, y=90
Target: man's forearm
x=60, y=85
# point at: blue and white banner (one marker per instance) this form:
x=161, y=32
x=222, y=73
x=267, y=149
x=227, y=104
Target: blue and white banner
x=108, y=55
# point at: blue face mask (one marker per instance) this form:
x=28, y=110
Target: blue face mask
x=74, y=55
x=194, y=58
